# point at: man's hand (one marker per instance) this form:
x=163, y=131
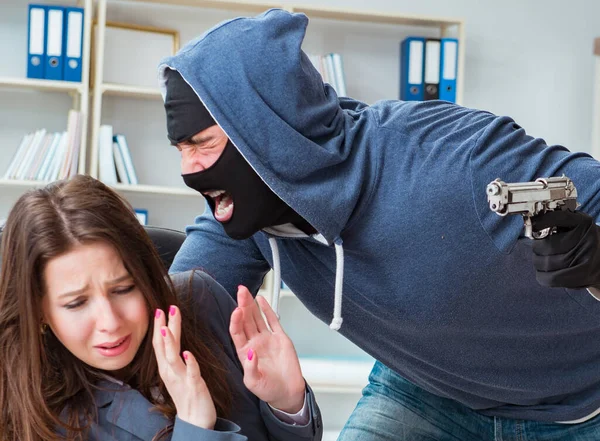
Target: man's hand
x=271, y=366
x=569, y=258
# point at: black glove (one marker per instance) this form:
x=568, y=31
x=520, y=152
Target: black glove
x=569, y=258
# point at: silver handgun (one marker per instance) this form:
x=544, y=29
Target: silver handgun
x=531, y=198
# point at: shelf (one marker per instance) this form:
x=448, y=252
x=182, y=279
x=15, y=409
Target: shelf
x=47, y=85
x=22, y=183
x=216, y=4
x=374, y=17
x=130, y=91
x=156, y=189
x=336, y=375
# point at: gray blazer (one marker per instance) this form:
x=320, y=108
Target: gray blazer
x=124, y=414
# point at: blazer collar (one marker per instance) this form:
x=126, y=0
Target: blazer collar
x=129, y=410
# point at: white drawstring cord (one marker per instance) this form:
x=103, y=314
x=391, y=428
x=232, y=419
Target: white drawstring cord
x=336, y=323
x=337, y=320
x=276, y=289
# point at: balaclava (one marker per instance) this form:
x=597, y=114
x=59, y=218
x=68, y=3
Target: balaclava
x=255, y=205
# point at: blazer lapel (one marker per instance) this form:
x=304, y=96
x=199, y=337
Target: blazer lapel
x=131, y=411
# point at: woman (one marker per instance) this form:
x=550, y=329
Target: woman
x=91, y=332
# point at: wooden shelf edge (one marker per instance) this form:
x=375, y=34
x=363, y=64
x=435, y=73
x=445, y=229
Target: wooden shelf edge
x=375, y=17
x=155, y=189
x=131, y=91
x=325, y=375
x=22, y=183
x=217, y=4
x=34, y=84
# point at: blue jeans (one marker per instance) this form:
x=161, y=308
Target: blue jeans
x=393, y=409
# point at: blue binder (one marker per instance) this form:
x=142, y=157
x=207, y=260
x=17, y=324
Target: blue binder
x=73, y=44
x=54, y=59
x=431, y=75
x=36, y=41
x=412, y=60
x=448, y=69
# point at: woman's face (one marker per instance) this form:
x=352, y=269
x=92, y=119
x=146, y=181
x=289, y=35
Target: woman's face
x=93, y=306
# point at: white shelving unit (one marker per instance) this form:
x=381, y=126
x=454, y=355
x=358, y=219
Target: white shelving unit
x=15, y=84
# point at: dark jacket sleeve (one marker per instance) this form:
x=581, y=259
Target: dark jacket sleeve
x=215, y=305
x=230, y=262
x=224, y=431
x=313, y=430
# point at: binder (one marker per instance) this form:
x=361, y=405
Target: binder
x=73, y=43
x=412, y=53
x=36, y=41
x=432, y=69
x=448, y=68
x=54, y=58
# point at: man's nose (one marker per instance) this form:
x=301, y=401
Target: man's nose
x=190, y=164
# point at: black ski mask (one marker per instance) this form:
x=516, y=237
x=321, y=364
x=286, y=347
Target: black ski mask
x=255, y=206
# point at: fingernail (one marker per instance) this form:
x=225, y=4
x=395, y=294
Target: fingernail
x=172, y=310
x=163, y=332
x=250, y=354
x=240, y=287
x=157, y=314
x=185, y=355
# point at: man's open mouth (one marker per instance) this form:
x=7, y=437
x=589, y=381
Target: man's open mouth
x=223, y=204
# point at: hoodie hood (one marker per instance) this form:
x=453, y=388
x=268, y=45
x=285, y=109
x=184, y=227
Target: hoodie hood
x=263, y=91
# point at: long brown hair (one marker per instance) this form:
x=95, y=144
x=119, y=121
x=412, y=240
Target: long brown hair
x=39, y=377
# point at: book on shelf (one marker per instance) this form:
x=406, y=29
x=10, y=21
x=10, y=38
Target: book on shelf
x=114, y=158
x=331, y=68
x=45, y=156
x=126, y=158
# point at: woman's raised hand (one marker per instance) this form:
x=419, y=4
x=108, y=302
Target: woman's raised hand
x=183, y=380
x=271, y=367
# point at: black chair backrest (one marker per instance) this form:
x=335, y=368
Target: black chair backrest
x=166, y=241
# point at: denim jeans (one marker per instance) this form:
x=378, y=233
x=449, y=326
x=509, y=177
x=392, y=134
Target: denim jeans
x=393, y=409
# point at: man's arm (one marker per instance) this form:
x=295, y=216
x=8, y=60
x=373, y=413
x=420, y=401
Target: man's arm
x=230, y=262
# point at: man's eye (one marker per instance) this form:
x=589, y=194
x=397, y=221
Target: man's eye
x=124, y=290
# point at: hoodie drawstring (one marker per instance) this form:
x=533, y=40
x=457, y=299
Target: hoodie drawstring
x=276, y=289
x=336, y=323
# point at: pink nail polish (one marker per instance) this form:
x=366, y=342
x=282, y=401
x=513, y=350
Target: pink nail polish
x=163, y=332
x=172, y=310
x=185, y=355
x=157, y=314
x=250, y=354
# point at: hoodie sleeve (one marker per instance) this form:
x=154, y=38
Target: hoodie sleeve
x=216, y=307
x=504, y=150
x=230, y=262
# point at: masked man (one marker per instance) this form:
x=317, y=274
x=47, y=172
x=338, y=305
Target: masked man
x=377, y=219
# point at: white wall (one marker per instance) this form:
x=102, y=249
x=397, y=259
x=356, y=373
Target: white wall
x=529, y=59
